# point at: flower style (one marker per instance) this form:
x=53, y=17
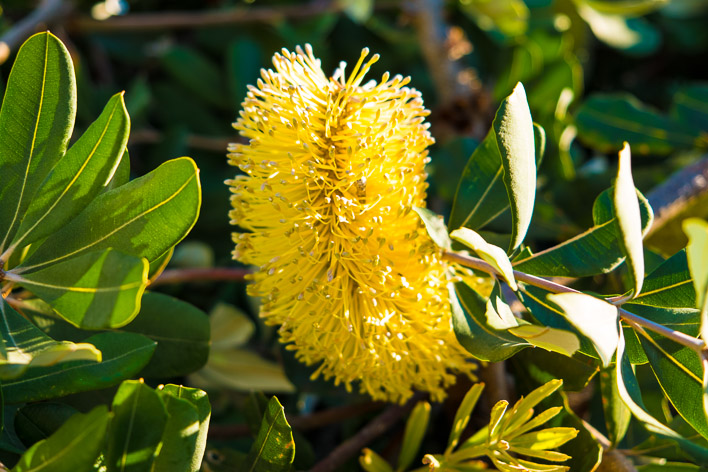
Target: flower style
x=333, y=171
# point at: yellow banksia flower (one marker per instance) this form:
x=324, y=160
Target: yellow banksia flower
x=333, y=170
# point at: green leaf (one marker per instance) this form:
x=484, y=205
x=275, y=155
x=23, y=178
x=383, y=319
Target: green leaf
x=605, y=122
x=121, y=176
x=669, y=285
x=680, y=374
x=416, y=426
x=274, y=449
x=697, y=255
x=180, y=330
x=435, y=226
x=629, y=220
x=24, y=345
x=617, y=415
x=173, y=436
x=372, y=462
x=492, y=254
x=99, y=289
x=79, y=176
x=143, y=218
x=632, y=35
x=37, y=421
x=690, y=107
x=462, y=416
x=551, y=339
x=515, y=138
x=124, y=354
x=36, y=120
x=73, y=447
x=498, y=313
x=596, y=251
x=480, y=195
x=469, y=321
x=509, y=17
x=629, y=391
x=135, y=434
x=594, y=318
x=179, y=439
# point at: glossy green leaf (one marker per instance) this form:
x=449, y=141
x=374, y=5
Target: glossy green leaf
x=79, y=176
x=23, y=345
x=121, y=176
x=200, y=401
x=435, y=226
x=669, y=285
x=73, y=447
x=596, y=251
x=416, y=426
x=180, y=330
x=629, y=391
x=629, y=221
x=515, y=138
x=469, y=321
x=594, y=318
x=36, y=421
x=36, y=120
x=274, y=448
x=124, y=354
x=490, y=253
x=143, y=218
x=135, y=433
x=179, y=439
x=617, y=415
x=462, y=416
x=605, y=122
x=680, y=374
x=99, y=289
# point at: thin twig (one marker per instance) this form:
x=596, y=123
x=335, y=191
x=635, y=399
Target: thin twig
x=368, y=433
x=301, y=423
x=48, y=12
x=183, y=20
x=696, y=344
x=176, y=276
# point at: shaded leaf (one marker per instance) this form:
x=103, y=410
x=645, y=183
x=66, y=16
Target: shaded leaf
x=416, y=426
x=617, y=415
x=24, y=346
x=606, y=121
x=36, y=421
x=124, y=354
x=472, y=331
x=75, y=446
x=669, y=285
x=179, y=438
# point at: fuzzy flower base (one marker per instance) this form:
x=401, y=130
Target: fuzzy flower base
x=345, y=267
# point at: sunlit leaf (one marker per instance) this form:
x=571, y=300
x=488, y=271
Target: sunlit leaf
x=490, y=253
x=274, y=448
x=416, y=427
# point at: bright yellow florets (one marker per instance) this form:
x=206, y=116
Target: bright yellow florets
x=333, y=171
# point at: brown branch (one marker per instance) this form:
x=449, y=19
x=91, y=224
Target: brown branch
x=301, y=423
x=176, y=276
x=368, y=433
x=678, y=192
x=677, y=336
x=197, y=19
x=48, y=12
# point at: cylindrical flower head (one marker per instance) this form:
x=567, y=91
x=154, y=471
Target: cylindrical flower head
x=345, y=266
